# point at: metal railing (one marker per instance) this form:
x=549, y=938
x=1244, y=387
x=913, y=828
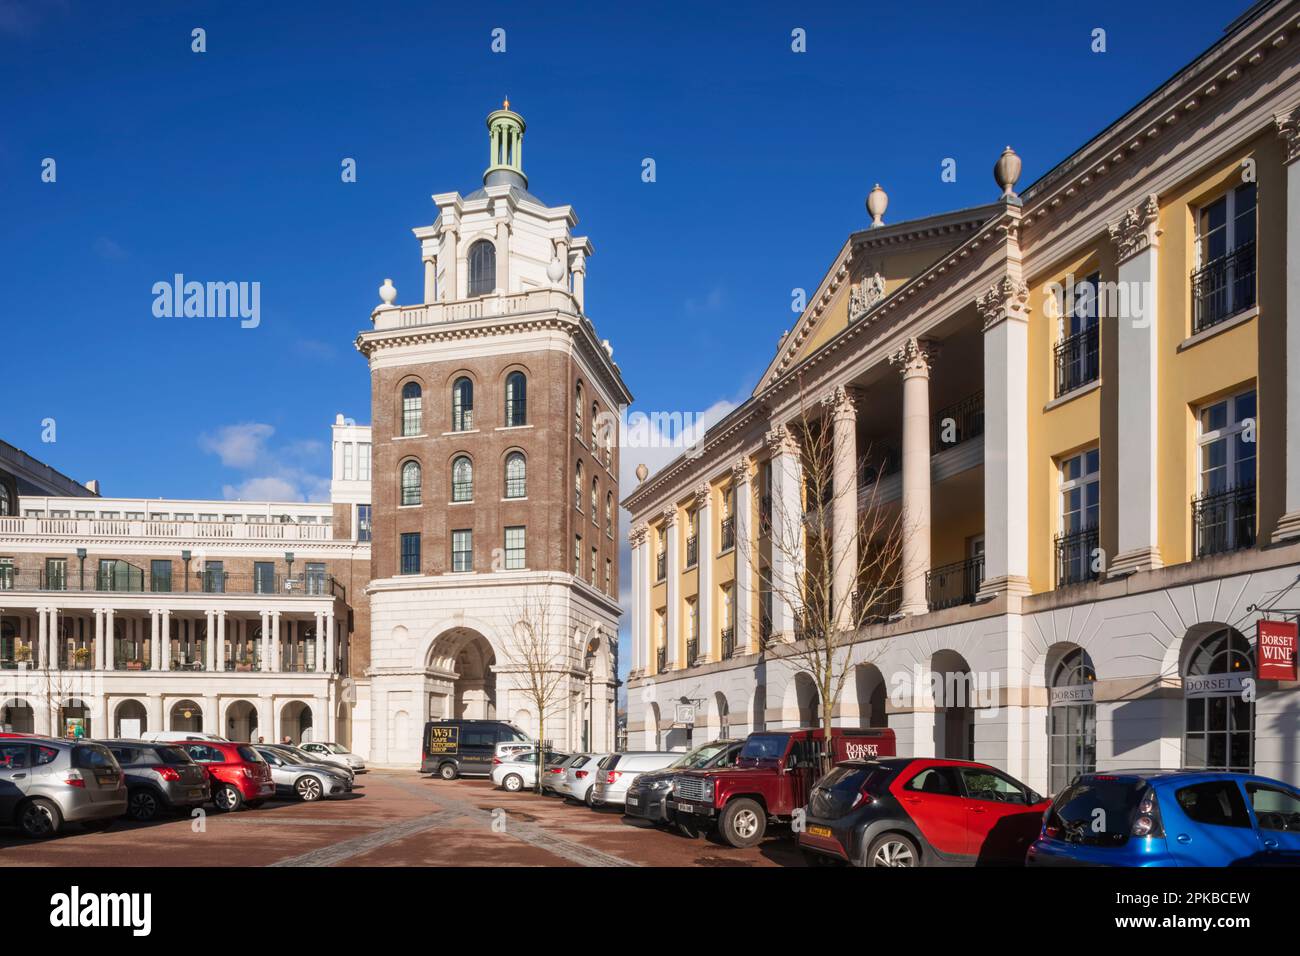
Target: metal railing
x=692, y=651
x=1074, y=557
x=692, y=551
x=728, y=642
x=661, y=566
x=1224, y=520
x=1223, y=287
x=959, y=422
x=728, y=533
x=885, y=608
x=952, y=584
x=138, y=580
x=1077, y=360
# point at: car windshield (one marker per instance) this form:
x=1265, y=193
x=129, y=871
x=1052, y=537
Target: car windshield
x=93, y=757
x=335, y=748
x=249, y=754
x=173, y=755
x=764, y=747
x=697, y=758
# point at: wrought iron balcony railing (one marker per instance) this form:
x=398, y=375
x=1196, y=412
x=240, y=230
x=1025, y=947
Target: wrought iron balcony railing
x=728, y=533
x=728, y=642
x=1077, y=360
x=692, y=651
x=959, y=422
x=1224, y=520
x=661, y=566
x=1074, y=557
x=952, y=584
x=1223, y=287
x=692, y=551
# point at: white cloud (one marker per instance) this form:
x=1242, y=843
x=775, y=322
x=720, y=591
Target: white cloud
x=272, y=473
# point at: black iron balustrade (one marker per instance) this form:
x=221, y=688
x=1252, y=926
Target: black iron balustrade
x=728, y=642
x=692, y=650
x=661, y=566
x=1077, y=360
x=952, y=584
x=1224, y=520
x=959, y=422
x=692, y=551
x=1075, y=552
x=1224, y=287
x=728, y=533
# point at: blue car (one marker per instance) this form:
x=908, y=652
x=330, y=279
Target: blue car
x=1170, y=818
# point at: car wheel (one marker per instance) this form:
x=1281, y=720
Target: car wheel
x=39, y=819
x=308, y=789
x=589, y=798
x=227, y=798
x=448, y=771
x=893, y=849
x=513, y=783
x=142, y=804
x=743, y=823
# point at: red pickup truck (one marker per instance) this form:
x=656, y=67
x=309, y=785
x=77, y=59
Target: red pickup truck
x=772, y=778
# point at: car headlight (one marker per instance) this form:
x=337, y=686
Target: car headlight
x=708, y=790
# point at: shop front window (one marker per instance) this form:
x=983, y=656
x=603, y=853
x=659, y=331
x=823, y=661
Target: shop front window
x=1071, y=720
x=1219, y=733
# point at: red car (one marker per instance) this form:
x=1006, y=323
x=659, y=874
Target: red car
x=236, y=772
x=919, y=811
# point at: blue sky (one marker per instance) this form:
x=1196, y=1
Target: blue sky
x=225, y=166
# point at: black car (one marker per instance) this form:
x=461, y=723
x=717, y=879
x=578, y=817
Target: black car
x=647, y=798
x=457, y=748
x=159, y=777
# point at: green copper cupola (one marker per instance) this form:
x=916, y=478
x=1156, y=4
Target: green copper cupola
x=506, y=136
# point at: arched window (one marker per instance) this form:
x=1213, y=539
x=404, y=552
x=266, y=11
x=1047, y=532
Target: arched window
x=595, y=500
x=482, y=267
x=577, y=487
x=462, y=479
x=1071, y=720
x=412, y=408
x=595, y=417
x=1220, y=729
x=577, y=413
x=609, y=513
x=462, y=405
x=516, y=400
x=516, y=475
x=411, y=483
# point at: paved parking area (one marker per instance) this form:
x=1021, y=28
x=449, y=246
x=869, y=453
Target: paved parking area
x=397, y=819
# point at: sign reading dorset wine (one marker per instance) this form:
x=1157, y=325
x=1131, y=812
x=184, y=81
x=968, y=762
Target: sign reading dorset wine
x=1275, y=647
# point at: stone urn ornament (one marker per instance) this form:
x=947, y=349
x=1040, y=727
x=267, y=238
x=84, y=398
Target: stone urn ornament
x=1006, y=171
x=388, y=294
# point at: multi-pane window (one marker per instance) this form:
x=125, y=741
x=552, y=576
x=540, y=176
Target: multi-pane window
x=595, y=563
x=609, y=513
x=516, y=475
x=1077, y=361
x=577, y=556
x=577, y=486
x=263, y=577
x=609, y=576
x=1080, y=510
x=1071, y=720
x=7, y=504
x=1220, y=719
x=363, y=461
x=411, y=483
x=595, y=418
x=462, y=479
x=412, y=408
x=482, y=267
x=515, y=549
x=411, y=553
x=1224, y=509
x=314, y=579
x=462, y=550
x=577, y=412
x=349, y=458
x=516, y=400
x=363, y=523
x=595, y=500
x=56, y=574
x=1224, y=281
x=692, y=528
x=160, y=575
x=462, y=405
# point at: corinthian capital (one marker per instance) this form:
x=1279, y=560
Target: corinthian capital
x=740, y=470
x=1008, y=298
x=914, y=356
x=781, y=442
x=1137, y=230
x=636, y=535
x=1288, y=127
x=841, y=402
x=670, y=517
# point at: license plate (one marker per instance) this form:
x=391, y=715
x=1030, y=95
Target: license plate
x=633, y=802
x=820, y=831
x=685, y=807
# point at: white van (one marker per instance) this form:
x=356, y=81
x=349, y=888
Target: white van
x=617, y=771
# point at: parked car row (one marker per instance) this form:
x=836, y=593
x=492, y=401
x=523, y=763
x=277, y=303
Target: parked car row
x=873, y=808
x=47, y=782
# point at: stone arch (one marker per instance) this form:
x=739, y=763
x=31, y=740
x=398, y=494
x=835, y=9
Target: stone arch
x=185, y=715
x=75, y=708
x=801, y=704
x=130, y=709
x=466, y=659
x=18, y=715
x=954, y=692
x=652, y=732
x=297, y=721
x=240, y=721
x=870, y=694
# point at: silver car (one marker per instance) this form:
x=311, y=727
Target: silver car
x=46, y=782
x=334, y=753
x=307, y=782
x=579, y=780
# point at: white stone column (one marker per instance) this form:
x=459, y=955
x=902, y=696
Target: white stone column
x=109, y=654
x=789, y=541
x=913, y=360
x=744, y=556
x=704, y=561
x=221, y=641
x=1005, y=311
x=165, y=626
x=264, y=639
x=153, y=713
x=275, y=641
x=317, y=631
x=43, y=641
x=580, y=279
x=636, y=537
x=673, y=574
x=211, y=717
x=210, y=643
x=843, y=413
x=329, y=667
x=503, y=255
x=1136, y=237
x=430, y=280
x=451, y=258
x=155, y=645
x=1288, y=126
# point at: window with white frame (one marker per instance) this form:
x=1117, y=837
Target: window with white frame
x=1223, y=283
x=1223, y=513
x=349, y=466
x=515, y=548
x=1080, y=506
x=363, y=461
x=462, y=550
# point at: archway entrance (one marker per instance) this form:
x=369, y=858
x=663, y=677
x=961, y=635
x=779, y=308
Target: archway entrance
x=130, y=719
x=464, y=659
x=17, y=717
x=954, y=703
x=296, y=722
x=870, y=686
x=74, y=719
x=241, y=721
x=1071, y=719
x=186, y=716
x=807, y=701
x=1219, y=730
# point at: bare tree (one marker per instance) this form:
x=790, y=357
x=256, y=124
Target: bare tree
x=803, y=564
x=542, y=658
